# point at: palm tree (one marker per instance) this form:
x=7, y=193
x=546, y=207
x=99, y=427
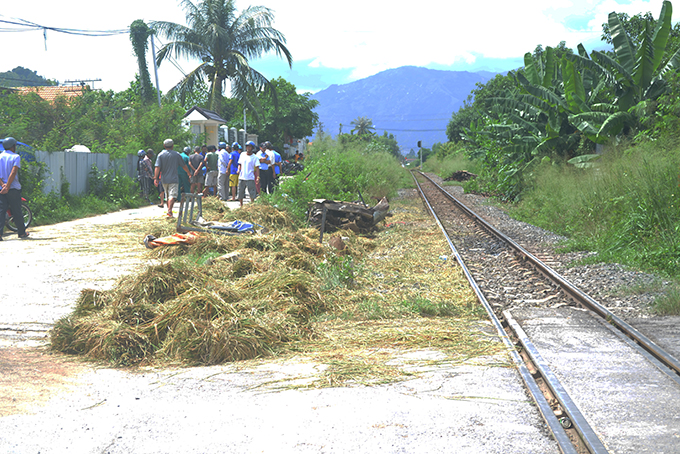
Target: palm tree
x=363, y=126
x=139, y=35
x=223, y=41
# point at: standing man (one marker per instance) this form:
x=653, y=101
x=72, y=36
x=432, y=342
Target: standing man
x=223, y=177
x=277, y=164
x=248, y=173
x=184, y=181
x=196, y=164
x=167, y=164
x=266, y=165
x=146, y=174
x=10, y=188
x=211, y=162
x=233, y=168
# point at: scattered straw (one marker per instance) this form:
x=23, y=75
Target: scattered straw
x=355, y=310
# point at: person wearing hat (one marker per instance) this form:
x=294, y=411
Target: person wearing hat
x=167, y=164
x=248, y=173
x=223, y=176
x=10, y=188
x=233, y=169
x=266, y=168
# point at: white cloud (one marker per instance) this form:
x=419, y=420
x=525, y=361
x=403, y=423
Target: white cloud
x=369, y=36
x=364, y=36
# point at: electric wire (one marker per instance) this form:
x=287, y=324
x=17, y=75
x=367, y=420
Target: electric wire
x=31, y=26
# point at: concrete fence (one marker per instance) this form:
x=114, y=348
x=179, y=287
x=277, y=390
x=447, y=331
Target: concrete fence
x=74, y=167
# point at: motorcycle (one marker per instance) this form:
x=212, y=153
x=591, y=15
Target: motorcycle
x=291, y=168
x=25, y=211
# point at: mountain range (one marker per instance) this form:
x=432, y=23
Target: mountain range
x=413, y=103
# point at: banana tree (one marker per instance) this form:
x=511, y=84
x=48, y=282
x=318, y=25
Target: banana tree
x=634, y=75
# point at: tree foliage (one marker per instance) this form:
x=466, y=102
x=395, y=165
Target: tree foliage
x=363, y=126
x=139, y=36
x=224, y=41
x=22, y=77
x=561, y=104
x=288, y=116
x=116, y=123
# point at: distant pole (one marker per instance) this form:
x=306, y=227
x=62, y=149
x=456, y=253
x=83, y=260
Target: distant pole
x=245, y=131
x=420, y=152
x=155, y=70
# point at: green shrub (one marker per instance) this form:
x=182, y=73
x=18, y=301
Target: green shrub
x=341, y=172
x=113, y=186
x=627, y=208
x=445, y=166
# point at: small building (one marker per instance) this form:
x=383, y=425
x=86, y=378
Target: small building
x=204, y=122
x=51, y=92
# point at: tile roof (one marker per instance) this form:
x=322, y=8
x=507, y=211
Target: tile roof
x=209, y=114
x=50, y=92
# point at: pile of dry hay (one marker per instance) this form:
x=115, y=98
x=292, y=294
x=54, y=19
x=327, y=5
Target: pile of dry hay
x=283, y=292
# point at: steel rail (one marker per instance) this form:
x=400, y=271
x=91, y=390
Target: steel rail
x=563, y=441
x=582, y=426
x=572, y=291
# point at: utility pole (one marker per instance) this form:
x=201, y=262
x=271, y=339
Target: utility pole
x=420, y=152
x=155, y=70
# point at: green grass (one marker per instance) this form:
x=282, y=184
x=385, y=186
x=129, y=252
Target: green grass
x=669, y=303
x=447, y=166
x=627, y=208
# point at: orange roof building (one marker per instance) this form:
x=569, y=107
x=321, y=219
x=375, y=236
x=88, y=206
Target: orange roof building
x=50, y=92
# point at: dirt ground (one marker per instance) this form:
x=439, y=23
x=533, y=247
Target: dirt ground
x=47, y=274
x=52, y=403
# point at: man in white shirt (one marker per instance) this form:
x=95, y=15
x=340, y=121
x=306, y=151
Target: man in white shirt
x=248, y=173
x=223, y=177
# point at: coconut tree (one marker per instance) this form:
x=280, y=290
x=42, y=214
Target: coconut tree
x=224, y=41
x=139, y=36
x=363, y=126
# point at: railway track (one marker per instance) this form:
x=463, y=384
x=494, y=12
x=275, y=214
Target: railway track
x=507, y=278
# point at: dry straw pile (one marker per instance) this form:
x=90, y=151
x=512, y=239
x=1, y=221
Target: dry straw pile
x=282, y=293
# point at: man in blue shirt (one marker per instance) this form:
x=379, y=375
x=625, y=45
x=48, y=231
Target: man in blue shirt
x=233, y=168
x=10, y=188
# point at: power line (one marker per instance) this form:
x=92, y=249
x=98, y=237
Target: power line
x=31, y=83
x=70, y=31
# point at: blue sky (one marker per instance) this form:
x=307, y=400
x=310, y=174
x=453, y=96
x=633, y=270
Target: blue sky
x=332, y=43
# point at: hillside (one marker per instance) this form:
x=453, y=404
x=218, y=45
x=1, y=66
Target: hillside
x=22, y=77
x=410, y=102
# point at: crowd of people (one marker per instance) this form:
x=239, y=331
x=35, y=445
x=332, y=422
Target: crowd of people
x=226, y=171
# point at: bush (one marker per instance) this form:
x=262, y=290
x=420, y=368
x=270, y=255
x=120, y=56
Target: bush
x=446, y=165
x=341, y=172
x=113, y=186
x=627, y=208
